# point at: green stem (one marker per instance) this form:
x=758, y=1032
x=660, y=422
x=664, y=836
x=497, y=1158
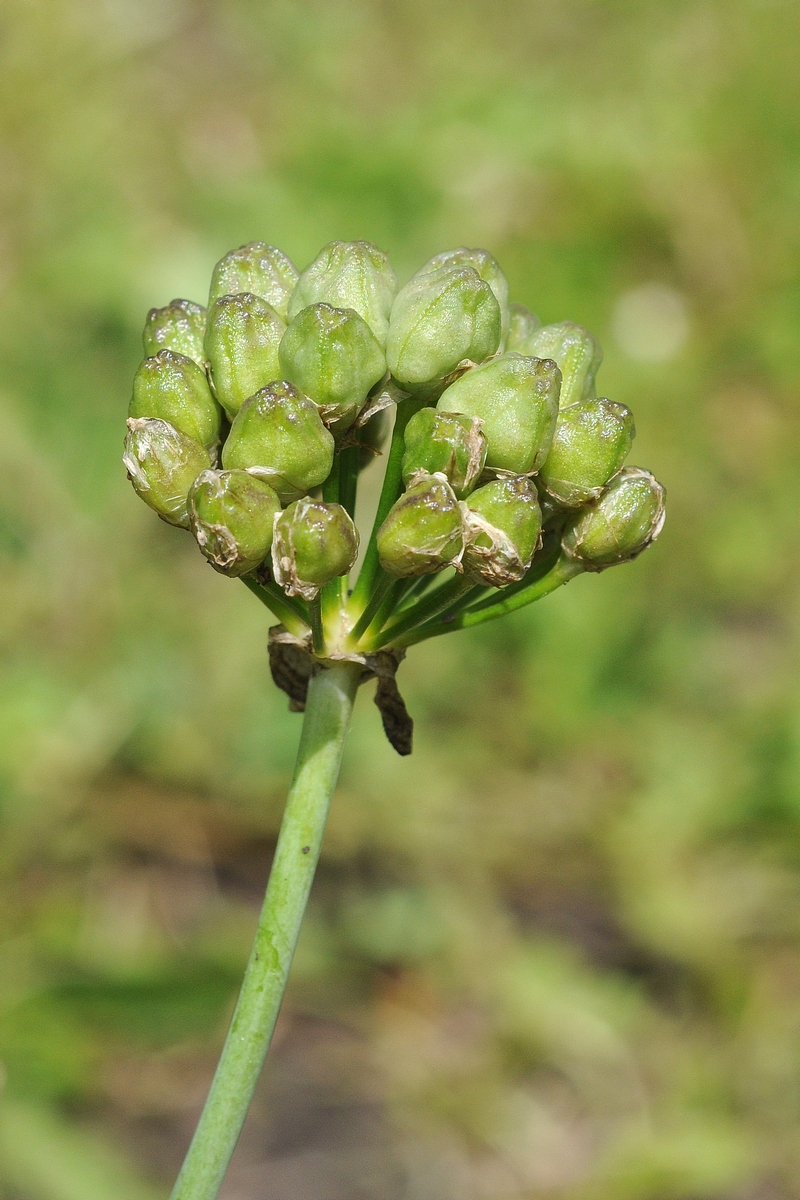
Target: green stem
x=287, y=611
x=427, y=608
x=564, y=570
x=386, y=584
x=330, y=702
x=348, y=481
x=317, y=628
x=392, y=487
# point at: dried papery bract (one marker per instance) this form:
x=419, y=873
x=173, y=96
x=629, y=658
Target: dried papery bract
x=424, y=530
x=162, y=465
x=232, y=514
x=313, y=543
x=450, y=444
x=503, y=525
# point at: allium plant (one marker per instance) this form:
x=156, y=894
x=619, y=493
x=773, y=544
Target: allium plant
x=504, y=478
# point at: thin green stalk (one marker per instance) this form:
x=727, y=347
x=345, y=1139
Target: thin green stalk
x=564, y=570
x=427, y=608
x=348, y=479
x=330, y=702
x=386, y=586
x=392, y=487
x=317, y=628
x=289, y=612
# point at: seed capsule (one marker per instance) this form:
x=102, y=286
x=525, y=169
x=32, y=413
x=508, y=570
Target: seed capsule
x=504, y=523
x=350, y=275
x=231, y=515
x=179, y=327
x=173, y=388
x=424, y=529
x=522, y=325
x=241, y=345
x=278, y=435
x=487, y=267
x=626, y=519
x=440, y=319
x=332, y=356
x=590, y=444
x=162, y=464
x=313, y=543
x=259, y=269
x=449, y=443
x=517, y=400
x=577, y=353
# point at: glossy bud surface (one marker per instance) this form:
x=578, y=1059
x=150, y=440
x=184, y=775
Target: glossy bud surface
x=257, y=268
x=180, y=327
x=450, y=443
x=424, y=529
x=163, y=463
x=353, y=275
x=331, y=355
x=279, y=435
x=231, y=514
x=625, y=520
x=521, y=327
x=590, y=444
x=440, y=319
x=577, y=353
x=314, y=542
x=242, y=340
x=487, y=267
x=174, y=388
x=503, y=522
x=517, y=399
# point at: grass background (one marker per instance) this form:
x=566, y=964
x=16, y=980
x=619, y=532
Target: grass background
x=556, y=954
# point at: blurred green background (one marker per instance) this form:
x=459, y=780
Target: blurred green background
x=556, y=953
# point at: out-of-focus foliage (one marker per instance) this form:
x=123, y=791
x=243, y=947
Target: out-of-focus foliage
x=556, y=953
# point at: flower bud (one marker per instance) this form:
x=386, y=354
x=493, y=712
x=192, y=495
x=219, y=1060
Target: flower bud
x=517, y=400
x=590, y=444
x=179, y=327
x=503, y=521
x=241, y=344
x=487, y=267
x=371, y=436
x=350, y=275
x=577, y=353
x=332, y=356
x=173, y=388
x=449, y=443
x=278, y=435
x=628, y=516
x=313, y=543
x=162, y=464
x=522, y=325
x=258, y=269
x=439, y=319
x=231, y=515
x=424, y=529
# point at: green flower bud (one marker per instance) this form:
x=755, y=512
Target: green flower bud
x=449, y=443
x=331, y=355
x=314, y=542
x=440, y=319
x=424, y=529
x=487, y=267
x=278, y=435
x=521, y=327
x=179, y=327
x=621, y=524
x=517, y=400
x=258, y=269
x=162, y=465
x=241, y=345
x=350, y=275
x=371, y=437
x=590, y=444
x=173, y=388
x=577, y=353
x=504, y=523
x=232, y=514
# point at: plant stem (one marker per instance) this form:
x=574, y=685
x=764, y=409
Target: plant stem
x=561, y=573
x=328, y=708
x=385, y=585
x=424, y=610
x=288, y=612
x=317, y=628
x=392, y=487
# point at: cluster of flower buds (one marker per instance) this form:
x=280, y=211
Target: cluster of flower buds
x=251, y=419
